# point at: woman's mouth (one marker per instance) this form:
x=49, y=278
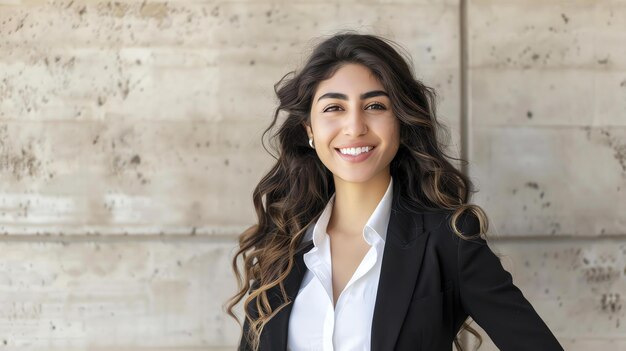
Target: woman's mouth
x=354, y=155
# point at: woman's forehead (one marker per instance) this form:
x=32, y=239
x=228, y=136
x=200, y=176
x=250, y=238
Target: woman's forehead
x=351, y=80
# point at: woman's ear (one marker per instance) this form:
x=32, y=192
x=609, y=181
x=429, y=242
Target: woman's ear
x=309, y=132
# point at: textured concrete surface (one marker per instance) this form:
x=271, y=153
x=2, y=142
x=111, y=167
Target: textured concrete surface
x=548, y=99
x=115, y=295
x=130, y=145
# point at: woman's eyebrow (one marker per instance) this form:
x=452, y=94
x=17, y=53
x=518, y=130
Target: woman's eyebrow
x=341, y=96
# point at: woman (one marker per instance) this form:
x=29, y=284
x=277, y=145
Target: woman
x=366, y=239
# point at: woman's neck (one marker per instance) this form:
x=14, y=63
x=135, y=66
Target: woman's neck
x=355, y=202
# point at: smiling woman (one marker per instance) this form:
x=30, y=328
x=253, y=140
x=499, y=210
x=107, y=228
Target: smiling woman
x=366, y=238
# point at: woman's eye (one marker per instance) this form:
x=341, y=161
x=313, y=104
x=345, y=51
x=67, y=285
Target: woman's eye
x=329, y=109
x=378, y=106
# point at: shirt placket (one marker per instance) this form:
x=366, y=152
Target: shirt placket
x=329, y=327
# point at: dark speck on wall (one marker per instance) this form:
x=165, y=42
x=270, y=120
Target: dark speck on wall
x=529, y=114
x=135, y=160
x=532, y=185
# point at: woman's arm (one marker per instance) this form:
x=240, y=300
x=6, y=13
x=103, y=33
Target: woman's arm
x=489, y=296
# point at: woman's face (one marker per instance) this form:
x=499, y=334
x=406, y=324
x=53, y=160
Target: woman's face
x=352, y=108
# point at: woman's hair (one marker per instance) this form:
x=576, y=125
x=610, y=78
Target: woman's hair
x=295, y=191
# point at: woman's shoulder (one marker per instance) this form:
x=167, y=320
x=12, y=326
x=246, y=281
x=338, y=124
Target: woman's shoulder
x=440, y=223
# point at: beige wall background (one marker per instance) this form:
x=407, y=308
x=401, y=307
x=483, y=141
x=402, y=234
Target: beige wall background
x=130, y=145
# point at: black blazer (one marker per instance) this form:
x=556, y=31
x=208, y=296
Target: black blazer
x=430, y=281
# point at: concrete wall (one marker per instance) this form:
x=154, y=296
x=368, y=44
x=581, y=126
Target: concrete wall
x=548, y=111
x=130, y=145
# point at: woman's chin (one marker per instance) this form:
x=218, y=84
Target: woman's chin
x=355, y=176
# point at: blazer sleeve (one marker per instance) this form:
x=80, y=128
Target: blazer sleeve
x=489, y=296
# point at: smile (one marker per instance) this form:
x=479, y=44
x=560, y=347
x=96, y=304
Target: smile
x=357, y=154
x=355, y=150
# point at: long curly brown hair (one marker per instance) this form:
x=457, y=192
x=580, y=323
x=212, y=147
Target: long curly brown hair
x=294, y=192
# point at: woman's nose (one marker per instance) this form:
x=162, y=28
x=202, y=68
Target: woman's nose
x=356, y=123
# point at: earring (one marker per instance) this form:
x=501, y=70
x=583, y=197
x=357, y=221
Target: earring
x=311, y=143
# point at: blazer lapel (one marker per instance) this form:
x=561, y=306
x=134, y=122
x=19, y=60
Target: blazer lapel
x=274, y=336
x=402, y=259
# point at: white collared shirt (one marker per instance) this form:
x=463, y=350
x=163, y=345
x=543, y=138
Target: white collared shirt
x=314, y=325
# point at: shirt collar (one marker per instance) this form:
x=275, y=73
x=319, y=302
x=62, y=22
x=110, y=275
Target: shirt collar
x=377, y=223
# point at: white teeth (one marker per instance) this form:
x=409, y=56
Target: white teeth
x=355, y=151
